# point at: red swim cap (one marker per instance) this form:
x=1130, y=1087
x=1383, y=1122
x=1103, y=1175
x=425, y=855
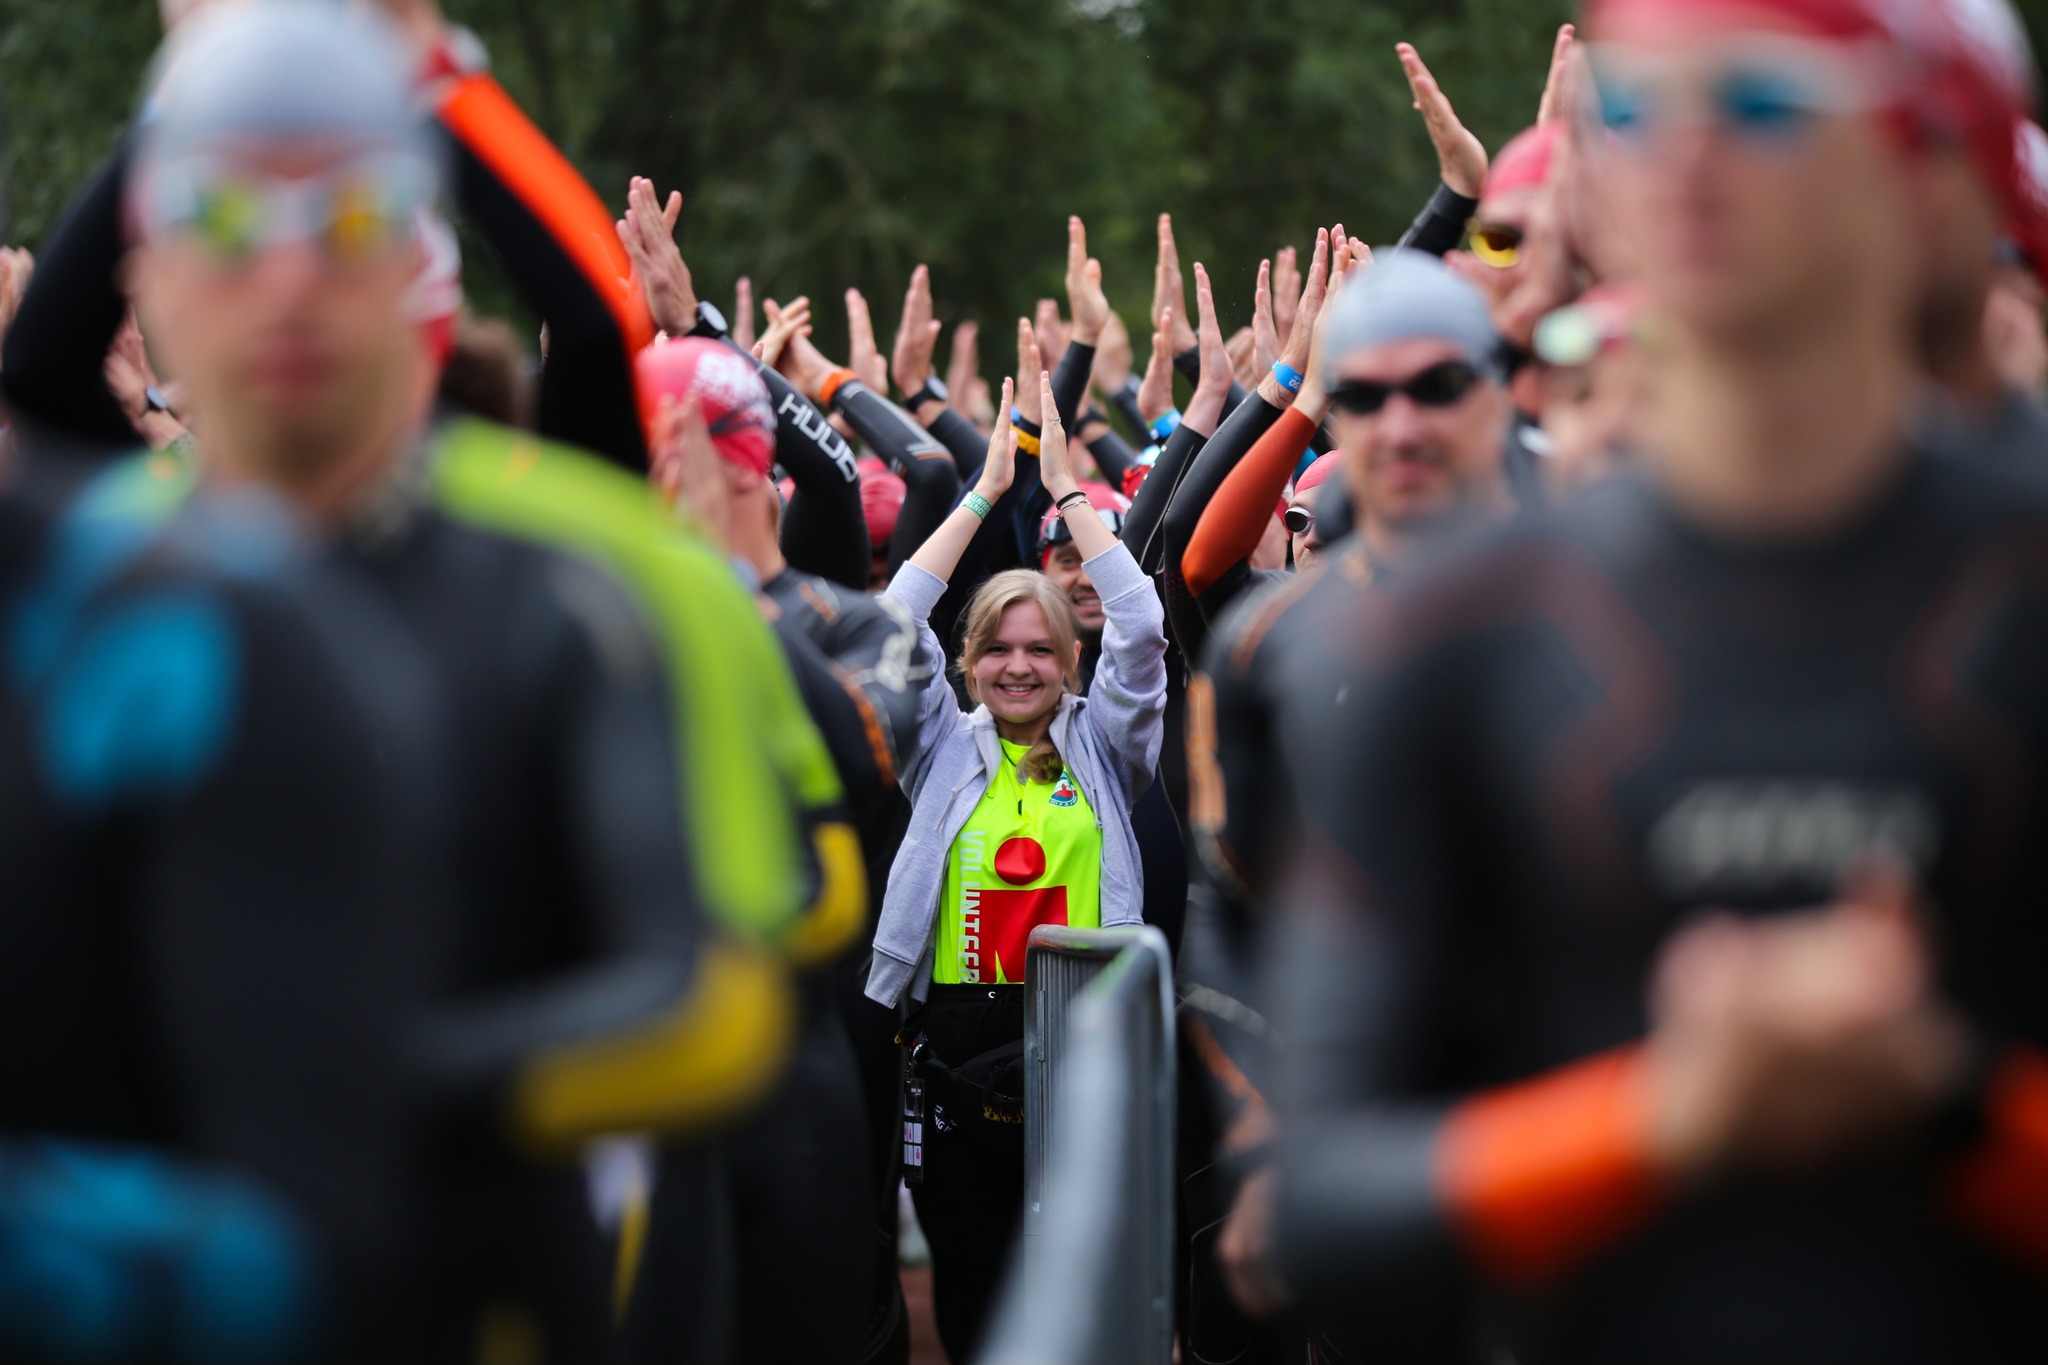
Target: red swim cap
x=2030, y=220
x=1978, y=69
x=434, y=298
x=732, y=397
x=881, y=500
x=1524, y=164
x=1053, y=531
x=1317, y=474
x=1841, y=19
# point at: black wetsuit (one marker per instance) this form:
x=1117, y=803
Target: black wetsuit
x=574, y=909
x=1517, y=773
x=219, y=811
x=2013, y=435
x=861, y=668
x=1243, y=806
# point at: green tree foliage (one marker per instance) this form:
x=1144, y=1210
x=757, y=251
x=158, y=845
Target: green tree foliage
x=827, y=143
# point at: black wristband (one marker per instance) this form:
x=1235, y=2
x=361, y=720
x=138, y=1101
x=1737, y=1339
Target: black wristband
x=1062, y=503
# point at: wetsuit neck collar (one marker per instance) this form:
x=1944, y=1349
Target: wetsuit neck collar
x=1871, y=523
x=393, y=501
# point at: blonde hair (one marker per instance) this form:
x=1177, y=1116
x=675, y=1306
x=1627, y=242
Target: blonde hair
x=984, y=616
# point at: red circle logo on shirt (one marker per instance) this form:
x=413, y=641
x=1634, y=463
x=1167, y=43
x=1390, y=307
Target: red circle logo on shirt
x=1020, y=861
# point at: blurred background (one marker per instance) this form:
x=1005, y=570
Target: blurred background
x=822, y=143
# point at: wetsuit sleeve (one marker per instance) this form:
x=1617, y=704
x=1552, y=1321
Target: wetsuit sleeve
x=1189, y=363
x=52, y=370
x=1998, y=1187
x=1125, y=401
x=931, y=480
x=933, y=491
x=1070, y=382
x=1441, y=224
x=843, y=715
x=964, y=440
x=1230, y=740
x=1148, y=509
x=562, y=253
x=824, y=531
x=1189, y=610
x=1112, y=456
x=877, y=654
x=1398, y=1172
x=1235, y=519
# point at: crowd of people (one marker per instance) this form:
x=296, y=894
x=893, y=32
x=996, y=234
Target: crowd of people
x=527, y=863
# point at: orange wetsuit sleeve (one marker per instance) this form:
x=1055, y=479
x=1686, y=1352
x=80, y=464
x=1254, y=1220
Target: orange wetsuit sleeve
x=1236, y=517
x=1999, y=1186
x=561, y=251
x=1539, y=1175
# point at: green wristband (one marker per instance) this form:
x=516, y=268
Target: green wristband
x=977, y=504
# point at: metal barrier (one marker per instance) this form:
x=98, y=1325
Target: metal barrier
x=1093, y=1276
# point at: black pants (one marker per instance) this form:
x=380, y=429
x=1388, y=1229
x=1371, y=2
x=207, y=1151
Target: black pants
x=801, y=1214
x=681, y=1311
x=971, y=1200
x=871, y=1029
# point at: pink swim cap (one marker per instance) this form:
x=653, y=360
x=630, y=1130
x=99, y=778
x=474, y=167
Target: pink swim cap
x=731, y=396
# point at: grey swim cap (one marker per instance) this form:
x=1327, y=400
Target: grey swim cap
x=284, y=70
x=1403, y=295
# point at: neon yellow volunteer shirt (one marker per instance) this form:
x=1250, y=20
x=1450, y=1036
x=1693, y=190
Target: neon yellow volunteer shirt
x=1030, y=854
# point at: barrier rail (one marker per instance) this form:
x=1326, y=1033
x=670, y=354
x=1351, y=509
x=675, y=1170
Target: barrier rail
x=1093, y=1277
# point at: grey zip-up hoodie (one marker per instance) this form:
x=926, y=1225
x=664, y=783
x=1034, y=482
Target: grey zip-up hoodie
x=1109, y=739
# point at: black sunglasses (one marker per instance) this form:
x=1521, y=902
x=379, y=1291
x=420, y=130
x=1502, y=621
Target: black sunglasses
x=1298, y=520
x=1439, y=386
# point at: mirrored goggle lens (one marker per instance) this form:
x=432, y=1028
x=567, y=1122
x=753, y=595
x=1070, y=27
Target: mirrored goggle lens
x=352, y=214
x=1762, y=92
x=1496, y=246
x=1298, y=520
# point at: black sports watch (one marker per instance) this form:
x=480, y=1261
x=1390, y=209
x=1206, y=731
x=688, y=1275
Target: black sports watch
x=933, y=390
x=710, y=322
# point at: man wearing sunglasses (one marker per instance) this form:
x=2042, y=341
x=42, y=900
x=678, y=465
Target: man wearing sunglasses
x=1660, y=969
x=1407, y=370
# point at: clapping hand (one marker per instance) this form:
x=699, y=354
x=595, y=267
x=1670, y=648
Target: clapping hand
x=648, y=234
x=1086, y=302
x=1460, y=155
